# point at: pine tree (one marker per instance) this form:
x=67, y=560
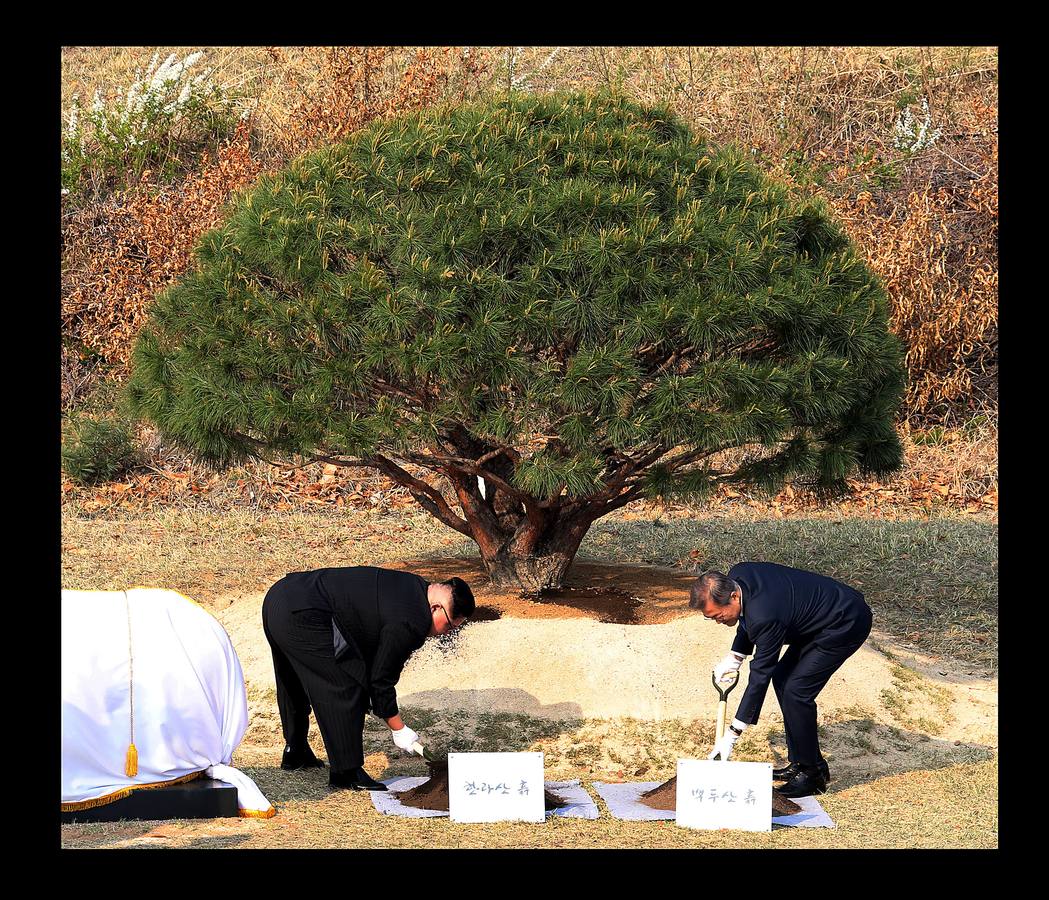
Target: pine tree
x=571, y=298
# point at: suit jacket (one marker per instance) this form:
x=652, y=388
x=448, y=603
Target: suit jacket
x=379, y=618
x=781, y=606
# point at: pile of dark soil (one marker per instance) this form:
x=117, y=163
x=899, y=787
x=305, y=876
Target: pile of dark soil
x=604, y=604
x=662, y=797
x=783, y=806
x=665, y=797
x=433, y=794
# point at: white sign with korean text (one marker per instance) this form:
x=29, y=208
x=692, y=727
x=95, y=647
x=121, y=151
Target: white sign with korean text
x=496, y=787
x=712, y=794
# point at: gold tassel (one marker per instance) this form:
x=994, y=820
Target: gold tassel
x=131, y=765
x=257, y=813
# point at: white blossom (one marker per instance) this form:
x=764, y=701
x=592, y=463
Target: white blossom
x=164, y=89
x=912, y=136
x=74, y=114
x=162, y=75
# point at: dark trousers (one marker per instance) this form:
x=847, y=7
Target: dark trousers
x=801, y=674
x=307, y=675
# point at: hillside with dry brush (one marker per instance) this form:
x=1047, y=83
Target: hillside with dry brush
x=901, y=142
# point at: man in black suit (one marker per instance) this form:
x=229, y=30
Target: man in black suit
x=340, y=638
x=823, y=621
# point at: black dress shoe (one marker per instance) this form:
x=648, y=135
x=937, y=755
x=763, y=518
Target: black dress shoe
x=356, y=780
x=299, y=759
x=792, y=768
x=805, y=783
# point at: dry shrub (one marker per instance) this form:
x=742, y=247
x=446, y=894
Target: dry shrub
x=119, y=253
x=936, y=248
x=359, y=84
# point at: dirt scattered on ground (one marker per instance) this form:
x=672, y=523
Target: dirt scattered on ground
x=665, y=797
x=433, y=794
x=622, y=594
x=607, y=604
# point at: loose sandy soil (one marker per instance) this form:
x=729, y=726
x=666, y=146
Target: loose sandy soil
x=886, y=710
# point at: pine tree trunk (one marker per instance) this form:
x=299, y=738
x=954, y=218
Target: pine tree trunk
x=543, y=567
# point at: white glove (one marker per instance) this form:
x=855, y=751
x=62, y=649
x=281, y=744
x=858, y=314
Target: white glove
x=723, y=748
x=404, y=738
x=730, y=663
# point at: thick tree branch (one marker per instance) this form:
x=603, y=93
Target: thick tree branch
x=622, y=500
x=428, y=497
x=442, y=461
x=383, y=385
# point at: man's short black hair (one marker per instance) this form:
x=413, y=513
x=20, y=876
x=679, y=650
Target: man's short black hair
x=462, y=598
x=715, y=585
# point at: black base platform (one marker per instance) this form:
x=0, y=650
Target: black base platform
x=202, y=798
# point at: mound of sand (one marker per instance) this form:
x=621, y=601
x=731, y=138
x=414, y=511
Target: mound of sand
x=563, y=668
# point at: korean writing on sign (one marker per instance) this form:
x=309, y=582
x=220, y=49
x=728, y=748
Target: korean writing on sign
x=473, y=789
x=496, y=787
x=713, y=796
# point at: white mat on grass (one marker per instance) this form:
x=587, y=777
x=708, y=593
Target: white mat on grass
x=578, y=803
x=812, y=815
x=624, y=802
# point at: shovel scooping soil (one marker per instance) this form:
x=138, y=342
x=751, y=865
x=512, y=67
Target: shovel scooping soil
x=665, y=797
x=433, y=794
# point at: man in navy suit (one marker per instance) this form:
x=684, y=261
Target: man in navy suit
x=822, y=620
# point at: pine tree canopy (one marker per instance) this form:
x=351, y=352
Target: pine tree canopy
x=571, y=296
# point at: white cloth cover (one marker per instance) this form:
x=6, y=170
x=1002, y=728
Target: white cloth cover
x=190, y=706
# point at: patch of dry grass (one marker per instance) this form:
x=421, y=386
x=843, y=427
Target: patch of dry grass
x=931, y=583
x=951, y=805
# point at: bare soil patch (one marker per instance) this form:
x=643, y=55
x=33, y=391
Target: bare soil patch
x=622, y=594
